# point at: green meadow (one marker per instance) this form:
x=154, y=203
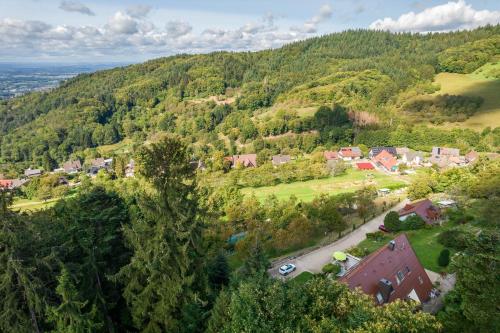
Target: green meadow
x=308, y=190
x=480, y=83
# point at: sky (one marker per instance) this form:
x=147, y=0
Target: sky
x=76, y=31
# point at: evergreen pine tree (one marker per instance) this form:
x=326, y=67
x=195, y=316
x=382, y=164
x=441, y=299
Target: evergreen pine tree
x=161, y=279
x=69, y=315
x=21, y=303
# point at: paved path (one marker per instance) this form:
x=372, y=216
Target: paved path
x=315, y=260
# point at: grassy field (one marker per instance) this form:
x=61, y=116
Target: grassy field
x=308, y=190
x=423, y=241
x=122, y=147
x=23, y=205
x=478, y=83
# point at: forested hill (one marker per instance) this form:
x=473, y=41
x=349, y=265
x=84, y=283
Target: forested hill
x=361, y=71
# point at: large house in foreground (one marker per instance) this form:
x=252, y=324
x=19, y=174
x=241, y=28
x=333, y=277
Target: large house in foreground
x=423, y=208
x=392, y=272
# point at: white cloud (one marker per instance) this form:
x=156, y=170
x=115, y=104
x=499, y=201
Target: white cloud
x=132, y=33
x=138, y=11
x=122, y=23
x=75, y=6
x=311, y=26
x=446, y=17
x=177, y=29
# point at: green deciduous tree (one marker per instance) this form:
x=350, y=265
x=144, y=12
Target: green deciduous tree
x=392, y=222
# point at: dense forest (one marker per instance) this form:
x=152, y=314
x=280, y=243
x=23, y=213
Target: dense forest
x=236, y=102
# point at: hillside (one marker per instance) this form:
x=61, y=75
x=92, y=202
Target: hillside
x=231, y=101
x=479, y=83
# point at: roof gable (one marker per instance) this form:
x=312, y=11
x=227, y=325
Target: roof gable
x=400, y=266
x=386, y=159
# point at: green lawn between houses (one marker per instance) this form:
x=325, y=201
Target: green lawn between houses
x=302, y=278
x=423, y=241
x=308, y=190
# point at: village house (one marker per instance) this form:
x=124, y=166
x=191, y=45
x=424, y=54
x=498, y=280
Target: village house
x=331, y=155
x=99, y=163
x=386, y=160
x=402, y=150
x=390, y=273
x=246, y=160
x=377, y=150
x=423, y=208
x=72, y=167
x=413, y=158
x=11, y=184
x=365, y=166
x=447, y=161
x=32, y=172
x=198, y=165
x=471, y=156
x=130, y=169
x=350, y=153
x=280, y=159
x=443, y=151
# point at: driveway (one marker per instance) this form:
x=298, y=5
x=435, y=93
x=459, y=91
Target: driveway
x=315, y=260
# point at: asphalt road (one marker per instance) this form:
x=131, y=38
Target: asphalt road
x=315, y=260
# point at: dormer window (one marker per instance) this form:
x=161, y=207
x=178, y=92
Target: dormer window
x=399, y=277
x=380, y=298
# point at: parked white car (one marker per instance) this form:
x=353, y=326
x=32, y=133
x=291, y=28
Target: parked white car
x=287, y=269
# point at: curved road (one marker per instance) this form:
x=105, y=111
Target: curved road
x=315, y=260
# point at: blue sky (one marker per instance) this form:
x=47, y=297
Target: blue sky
x=131, y=30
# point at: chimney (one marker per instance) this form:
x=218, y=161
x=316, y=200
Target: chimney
x=385, y=289
x=392, y=245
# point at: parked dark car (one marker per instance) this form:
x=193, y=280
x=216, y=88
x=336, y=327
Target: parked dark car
x=383, y=228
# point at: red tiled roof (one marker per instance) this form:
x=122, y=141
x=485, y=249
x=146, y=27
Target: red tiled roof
x=331, y=155
x=350, y=152
x=365, y=166
x=423, y=208
x=385, y=264
x=247, y=160
x=7, y=183
x=386, y=160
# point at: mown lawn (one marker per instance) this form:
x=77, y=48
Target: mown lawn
x=26, y=204
x=302, y=278
x=423, y=241
x=308, y=190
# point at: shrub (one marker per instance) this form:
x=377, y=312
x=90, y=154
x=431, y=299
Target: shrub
x=444, y=258
x=331, y=268
x=358, y=251
x=377, y=235
x=392, y=222
x=453, y=238
x=413, y=223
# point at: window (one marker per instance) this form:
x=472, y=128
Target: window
x=407, y=270
x=420, y=280
x=399, y=277
x=380, y=299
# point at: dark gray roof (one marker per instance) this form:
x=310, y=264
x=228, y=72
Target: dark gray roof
x=377, y=150
x=281, y=159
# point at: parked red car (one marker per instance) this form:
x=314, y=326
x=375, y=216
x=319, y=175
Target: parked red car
x=383, y=228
